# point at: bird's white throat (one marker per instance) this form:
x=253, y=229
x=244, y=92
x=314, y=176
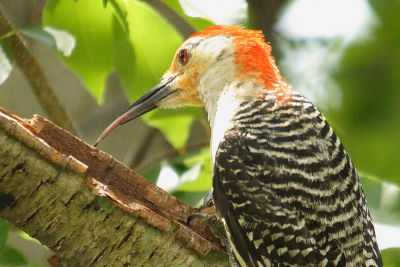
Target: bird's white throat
x=221, y=116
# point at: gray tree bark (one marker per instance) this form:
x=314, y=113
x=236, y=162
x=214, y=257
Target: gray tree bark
x=89, y=208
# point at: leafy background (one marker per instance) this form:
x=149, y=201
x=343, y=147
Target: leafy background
x=343, y=55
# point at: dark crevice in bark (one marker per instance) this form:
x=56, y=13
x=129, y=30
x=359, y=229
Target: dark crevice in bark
x=74, y=195
x=123, y=241
x=30, y=217
x=18, y=167
x=98, y=257
x=58, y=244
x=52, y=224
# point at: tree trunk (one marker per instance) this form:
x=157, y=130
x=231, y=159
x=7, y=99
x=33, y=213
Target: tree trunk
x=89, y=208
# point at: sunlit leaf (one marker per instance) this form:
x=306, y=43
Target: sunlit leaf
x=196, y=22
x=120, y=13
x=11, y=257
x=3, y=233
x=6, y=61
x=230, y=12
x=65, y=42
x=168, y=178
x=202, y=183
x=90, y=23
x=194, y=179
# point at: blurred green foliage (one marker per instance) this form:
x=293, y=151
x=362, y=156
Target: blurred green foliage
x=3, y=233
x=390, y=257
x=120, y=38
x=11, y=257
x=8, y=255
x=90, y=23
x=369, y=76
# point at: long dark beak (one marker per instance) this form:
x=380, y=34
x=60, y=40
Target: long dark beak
x=143, y=105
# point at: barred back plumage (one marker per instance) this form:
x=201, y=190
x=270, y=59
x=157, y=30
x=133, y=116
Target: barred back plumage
x=287, y=191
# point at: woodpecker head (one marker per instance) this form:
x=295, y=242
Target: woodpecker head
x=207, y=63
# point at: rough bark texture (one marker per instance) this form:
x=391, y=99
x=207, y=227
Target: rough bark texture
x=44, y=190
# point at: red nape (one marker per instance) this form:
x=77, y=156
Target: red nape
x=253, y=55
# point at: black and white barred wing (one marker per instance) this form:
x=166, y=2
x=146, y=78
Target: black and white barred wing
x=288, y=191
x=264, y=230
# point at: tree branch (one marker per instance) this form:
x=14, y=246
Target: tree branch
x=263, y=14
x=44, y=190
x=35, y=77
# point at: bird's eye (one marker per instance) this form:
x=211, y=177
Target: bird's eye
x=183, y=56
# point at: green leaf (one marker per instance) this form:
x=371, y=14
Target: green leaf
x=11, y=257
x=39, y=34
x=188, y=172
x=204, y=179
x=65, y=42
x=181, y=119
x=58, y=39
x=202, y=183
x=3, y=233
x=121, y=15
x=196, y=22
x=90, y=23
x=6, y=61
x=391, y=257
x=232, y=14
x=192, y=199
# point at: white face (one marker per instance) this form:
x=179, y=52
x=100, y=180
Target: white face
x=202, y=67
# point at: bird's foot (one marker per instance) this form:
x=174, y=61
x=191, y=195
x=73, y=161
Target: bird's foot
x=212, y=222
x=218, y=230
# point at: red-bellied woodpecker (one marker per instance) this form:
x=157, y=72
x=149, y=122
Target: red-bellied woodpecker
x=284, y=187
